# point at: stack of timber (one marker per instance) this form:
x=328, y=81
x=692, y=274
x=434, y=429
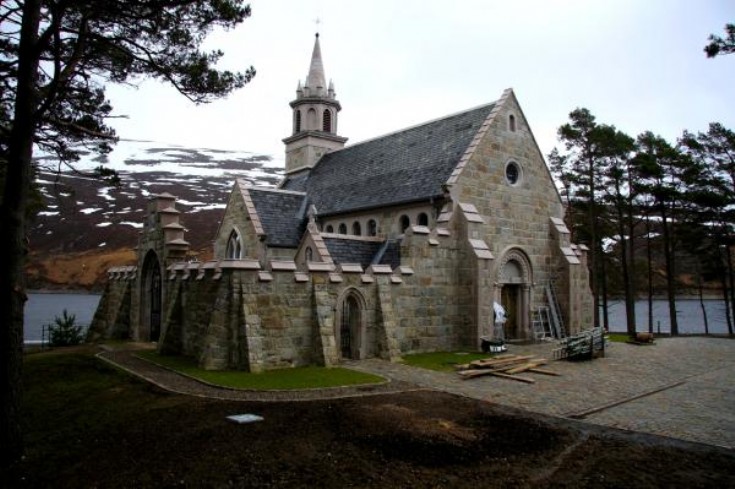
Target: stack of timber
x=505, y=366
x=582, y=346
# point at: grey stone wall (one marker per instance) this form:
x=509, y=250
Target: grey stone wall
x=515, y=215
x=234, y=315
x=112, y=319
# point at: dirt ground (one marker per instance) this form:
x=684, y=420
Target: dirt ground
x=89, y=425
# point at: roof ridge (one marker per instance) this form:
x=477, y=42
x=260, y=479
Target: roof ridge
x=479, y=135
x=244, y=184
x=415, y=126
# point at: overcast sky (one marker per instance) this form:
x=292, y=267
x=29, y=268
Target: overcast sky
x=638, y=65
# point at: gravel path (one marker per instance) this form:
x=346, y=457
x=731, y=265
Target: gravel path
x=679, y=387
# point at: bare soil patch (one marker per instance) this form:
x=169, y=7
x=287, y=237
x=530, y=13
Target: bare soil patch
x=88, y=425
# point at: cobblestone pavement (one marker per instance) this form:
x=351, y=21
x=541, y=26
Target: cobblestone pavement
x=678, y=387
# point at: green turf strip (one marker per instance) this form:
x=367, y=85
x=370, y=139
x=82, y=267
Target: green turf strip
x=442, y=361
x=281, y=379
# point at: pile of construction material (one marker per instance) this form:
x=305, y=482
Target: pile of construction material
x=582, y=346
x=506, y=366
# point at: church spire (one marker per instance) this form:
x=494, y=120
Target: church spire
x=315, y=80
x=315, y=112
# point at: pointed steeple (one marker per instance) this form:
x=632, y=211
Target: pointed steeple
x=314, y=118
x=316, y=79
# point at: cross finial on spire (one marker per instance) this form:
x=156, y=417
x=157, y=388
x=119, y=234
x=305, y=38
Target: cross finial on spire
x=317, y=21
x=315, y=78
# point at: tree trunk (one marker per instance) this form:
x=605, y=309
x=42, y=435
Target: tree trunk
x=594, y=245
x=726, y=300
x=728, y=254
x=700, y=283
x=670, y=273
x=649, y=257
x=625, y=261
x=603, y=283
x=13, y=235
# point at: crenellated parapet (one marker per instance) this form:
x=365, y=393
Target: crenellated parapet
x=215, y=269
x=122, y=273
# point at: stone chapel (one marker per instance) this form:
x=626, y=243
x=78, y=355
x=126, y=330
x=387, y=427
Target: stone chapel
x=395, y=245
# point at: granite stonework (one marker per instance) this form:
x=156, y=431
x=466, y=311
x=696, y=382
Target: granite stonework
x=400, y=244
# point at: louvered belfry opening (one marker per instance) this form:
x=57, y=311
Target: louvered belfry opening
x=327, y=121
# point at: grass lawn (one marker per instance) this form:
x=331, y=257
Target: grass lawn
x=442, y=361
x=281, y=379
x=618, y=337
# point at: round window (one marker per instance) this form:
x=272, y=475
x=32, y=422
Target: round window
x=512, y=173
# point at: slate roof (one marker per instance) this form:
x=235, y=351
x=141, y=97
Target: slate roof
x=402, y=167
x=282, y=214
x=352, y=251
x=344, y=250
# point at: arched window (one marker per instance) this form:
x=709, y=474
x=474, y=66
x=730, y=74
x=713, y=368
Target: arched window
x=356, y=228
x=297, y=122
x=405, y=222
x=327, y=121
x=311, y=122
x=330, y=228
x=512, y=123
x=343, y=228
x=423, y=219
x=234, y=247
x=372, y=228
x=309, y=254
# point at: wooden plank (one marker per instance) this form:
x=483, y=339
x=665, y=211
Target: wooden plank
x=502, y=361
x=503, y=356
x=525, y=366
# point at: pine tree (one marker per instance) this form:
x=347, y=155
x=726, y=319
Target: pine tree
x=55, y=58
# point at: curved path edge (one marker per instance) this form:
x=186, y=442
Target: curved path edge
x=173, y=382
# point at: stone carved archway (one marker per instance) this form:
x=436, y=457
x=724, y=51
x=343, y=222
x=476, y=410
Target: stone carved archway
x=513, y=291
x=350, y=324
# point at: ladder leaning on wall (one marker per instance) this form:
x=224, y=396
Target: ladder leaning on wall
x=542, y=324
x=557, y=321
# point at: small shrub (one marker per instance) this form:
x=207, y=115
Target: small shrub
x=65, y=331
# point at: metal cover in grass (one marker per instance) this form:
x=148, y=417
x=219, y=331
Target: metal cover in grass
x=245, y=418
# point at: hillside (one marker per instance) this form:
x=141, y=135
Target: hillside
x=87, y=227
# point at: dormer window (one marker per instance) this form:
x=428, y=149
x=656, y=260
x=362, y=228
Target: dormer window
x=234, y=247
x=327, y=121
x=309, y=254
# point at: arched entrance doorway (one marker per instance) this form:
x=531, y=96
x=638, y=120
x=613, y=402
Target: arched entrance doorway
x=150, y=300
x=350, y=327
x=514, y=284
